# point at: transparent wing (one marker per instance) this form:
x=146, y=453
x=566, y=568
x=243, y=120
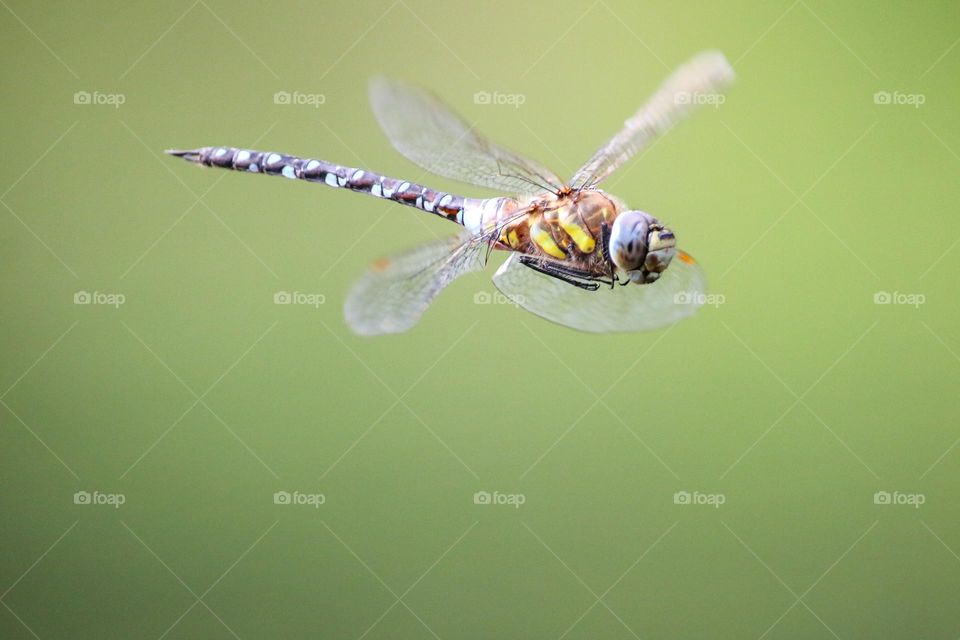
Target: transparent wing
x=677, y=294
x=394, y=292
x=700, y=81
x=427, y=132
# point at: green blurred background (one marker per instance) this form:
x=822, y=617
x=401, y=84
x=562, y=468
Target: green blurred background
x=793, y=403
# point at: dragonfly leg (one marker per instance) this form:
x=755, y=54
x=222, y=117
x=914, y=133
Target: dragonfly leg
x=605, y=242
x=563, y=274
x=605, y=250
x=581, y=274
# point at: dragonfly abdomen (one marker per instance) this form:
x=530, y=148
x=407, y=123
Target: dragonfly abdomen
x=445, y=205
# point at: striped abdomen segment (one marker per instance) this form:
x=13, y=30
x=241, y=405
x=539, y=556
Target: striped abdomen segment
x=445, y=205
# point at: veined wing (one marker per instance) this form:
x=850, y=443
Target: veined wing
x=430, y=134
x=394, y=292
x=699, y=81
x=677, y=294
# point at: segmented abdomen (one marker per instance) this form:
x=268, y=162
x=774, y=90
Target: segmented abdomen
x=445, y=205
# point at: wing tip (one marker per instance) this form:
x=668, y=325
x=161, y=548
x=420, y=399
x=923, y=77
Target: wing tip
x=718, y=66
x=367, y=327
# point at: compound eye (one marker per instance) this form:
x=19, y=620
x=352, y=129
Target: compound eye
x=628, y=240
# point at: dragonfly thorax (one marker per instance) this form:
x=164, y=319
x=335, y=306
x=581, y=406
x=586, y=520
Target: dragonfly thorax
x=562, y=227
x=641, y=246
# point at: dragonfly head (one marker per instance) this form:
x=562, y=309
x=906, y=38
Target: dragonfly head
x=641, y=246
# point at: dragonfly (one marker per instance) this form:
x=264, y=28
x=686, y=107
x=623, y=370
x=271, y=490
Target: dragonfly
x=578, y=256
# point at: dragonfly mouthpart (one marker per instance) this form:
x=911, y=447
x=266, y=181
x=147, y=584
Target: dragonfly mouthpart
x=655, y=264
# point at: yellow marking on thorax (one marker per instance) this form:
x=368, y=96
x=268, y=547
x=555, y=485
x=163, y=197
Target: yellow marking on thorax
x=557, y=226
x=545, y=241
x=582, y=219
x=570, y=222
x=510, y=236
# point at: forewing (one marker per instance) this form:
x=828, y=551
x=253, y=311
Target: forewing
x=699, y=81
x=430, y=134
x=676, y=295
x=394, y=292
